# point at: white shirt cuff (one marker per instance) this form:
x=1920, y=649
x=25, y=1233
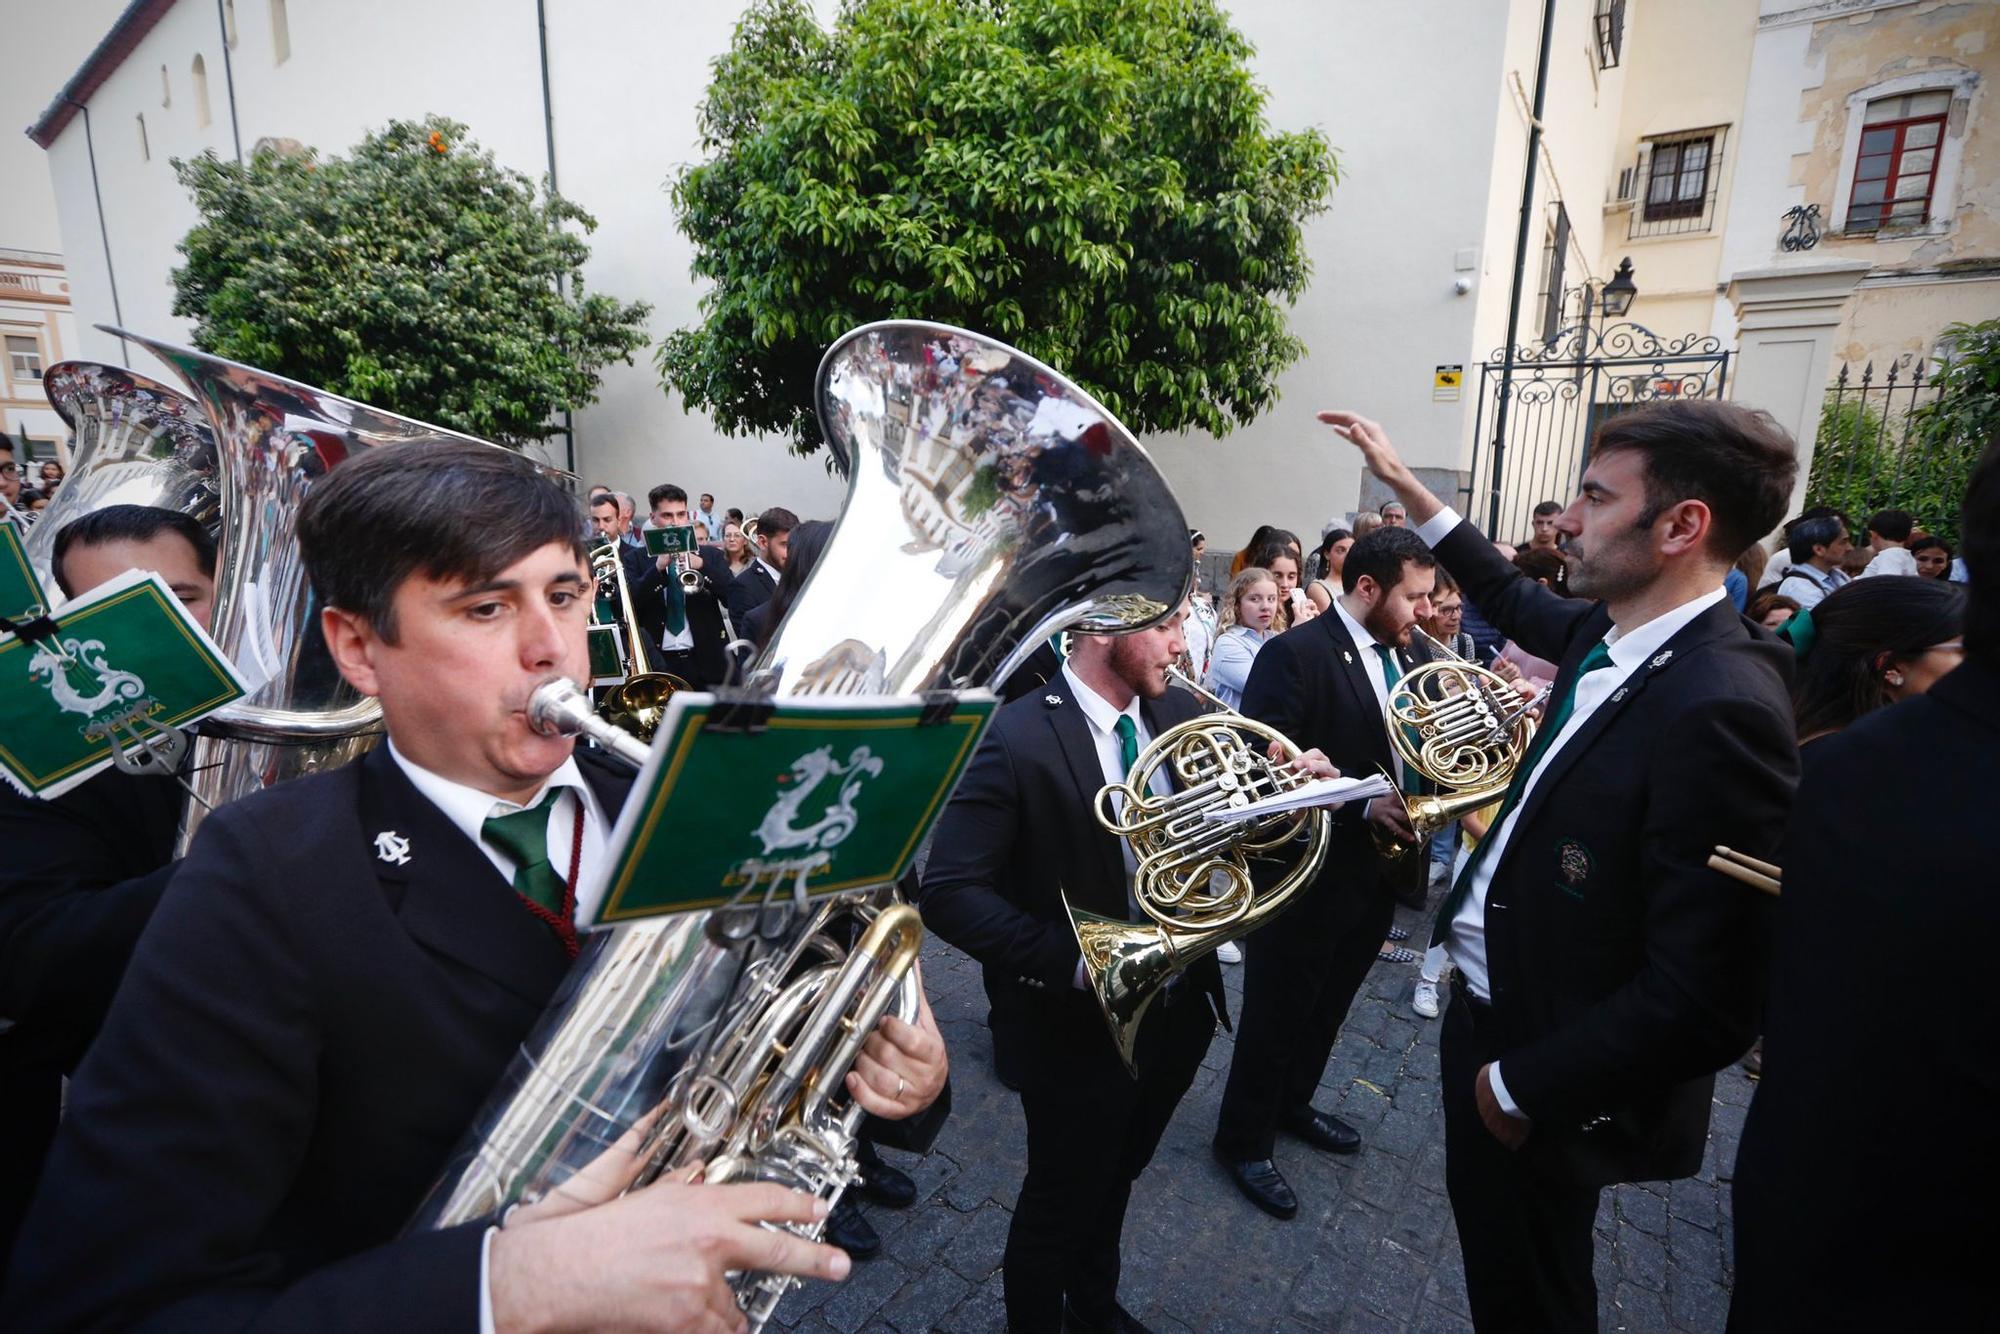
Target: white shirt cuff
x=487, y=1291
x=1433, y=529
x=1504, y=1098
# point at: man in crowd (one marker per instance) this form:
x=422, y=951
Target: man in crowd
x=768, y=555
x=1604, y=971
x=1545, y=537
x=704, y=514
x=1837, y=1225
x=82, y=872
x=1889, y=539
x=631, y=531
x=1019, y=835
x=346, y=964
x=10, y=483
x=1324, y=684
x=607, y=524
x=1817, y=546
x=1395, y=516
x=688, y=631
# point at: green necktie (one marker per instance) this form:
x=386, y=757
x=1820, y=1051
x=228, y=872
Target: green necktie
x=1552, y=726
x=1412, y=785
x=677, y=607
x=524, y=836
x=1128, y=743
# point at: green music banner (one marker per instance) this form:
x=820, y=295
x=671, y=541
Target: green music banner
x=19, y=589
x=125, y=660
x=841, y=790
x=677, y=541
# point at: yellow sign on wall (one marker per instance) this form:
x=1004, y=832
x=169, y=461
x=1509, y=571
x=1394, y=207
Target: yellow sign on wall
x=1445, y=382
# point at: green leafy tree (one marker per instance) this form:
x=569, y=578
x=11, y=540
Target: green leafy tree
x=414, y=274
x=1091, y=180
x=1917, y=459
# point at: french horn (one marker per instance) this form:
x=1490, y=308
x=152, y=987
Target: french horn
x=1464, y=728
x=1193, y=878
x=991, y=504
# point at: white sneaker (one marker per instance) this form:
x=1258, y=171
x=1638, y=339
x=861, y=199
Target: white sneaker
x=1230, y=952
x=1425, y=1002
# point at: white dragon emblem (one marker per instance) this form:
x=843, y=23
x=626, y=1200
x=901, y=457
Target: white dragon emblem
x=778, y=833
x=75, y=669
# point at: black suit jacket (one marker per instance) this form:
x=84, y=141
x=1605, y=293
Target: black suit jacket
x=1624, y=971
x=1839, y=1225
x=1018, y=835
x=720, y=591
x=757, y=585
x=79, y=877
x=1310, y=684
x=304, y=1032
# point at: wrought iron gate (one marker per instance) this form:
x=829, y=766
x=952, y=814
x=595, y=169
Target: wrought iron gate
x=1553, y=400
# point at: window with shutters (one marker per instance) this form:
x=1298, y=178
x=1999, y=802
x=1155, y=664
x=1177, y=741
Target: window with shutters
x=1895, y=171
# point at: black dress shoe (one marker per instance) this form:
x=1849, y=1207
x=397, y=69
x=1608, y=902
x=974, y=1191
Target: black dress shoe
x=1263, y=1185
x=1323, y=1130
x=847, y=1229
x=885, y=1184
x=1120, y=1321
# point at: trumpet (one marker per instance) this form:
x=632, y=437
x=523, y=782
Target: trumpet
x=638, y=702
x=1193, y=879
x=1462, y=727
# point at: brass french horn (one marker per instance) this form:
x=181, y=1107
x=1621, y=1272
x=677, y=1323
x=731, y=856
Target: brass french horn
x=1462, y=727
x=1193, y=880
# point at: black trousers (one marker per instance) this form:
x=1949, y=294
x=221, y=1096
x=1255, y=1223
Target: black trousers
x=30, y=1106
x=1300, y=974
x=1092, y=1129
x=1525, y=1233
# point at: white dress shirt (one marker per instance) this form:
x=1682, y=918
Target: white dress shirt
x=1466, y=939
x=1103, y=720
x=468, y=809
x=1371, y=663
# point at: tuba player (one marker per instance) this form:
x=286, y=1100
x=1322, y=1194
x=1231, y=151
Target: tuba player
x=344, y=965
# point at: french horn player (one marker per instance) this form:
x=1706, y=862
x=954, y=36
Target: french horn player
x=345, y=964
x=1019, y=851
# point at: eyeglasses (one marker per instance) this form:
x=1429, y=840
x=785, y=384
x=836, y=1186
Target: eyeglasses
x=9, y=469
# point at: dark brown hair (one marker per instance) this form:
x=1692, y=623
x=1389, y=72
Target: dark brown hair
x=1737, y=461
x=444, y=510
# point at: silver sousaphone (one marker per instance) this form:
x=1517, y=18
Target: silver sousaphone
x=991, y=504
x=241, y=454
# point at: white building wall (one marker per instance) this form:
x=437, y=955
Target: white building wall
x=1409, y=94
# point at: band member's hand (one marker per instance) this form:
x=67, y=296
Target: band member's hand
x=1523, y=687
x=902, y=1067
x=1312, y=763
x=1383, y=460
x=653, y=1260
x=1507, y=671
x=601, y=1180
x=1391, y=816
x=1511, y=1131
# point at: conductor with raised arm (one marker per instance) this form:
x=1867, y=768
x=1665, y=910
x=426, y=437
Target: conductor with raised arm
x=344, y=965
x=1604, y=973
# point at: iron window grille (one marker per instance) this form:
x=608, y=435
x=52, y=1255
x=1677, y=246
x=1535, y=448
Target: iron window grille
x=1895, y=172
x=1678, y=179
x=1610, y=23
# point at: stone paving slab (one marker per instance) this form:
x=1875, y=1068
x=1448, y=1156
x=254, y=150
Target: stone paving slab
x=1372, y=1249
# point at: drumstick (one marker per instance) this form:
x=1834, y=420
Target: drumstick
x=1739, y=867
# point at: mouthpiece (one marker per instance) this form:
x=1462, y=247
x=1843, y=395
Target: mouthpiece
x=558, y=708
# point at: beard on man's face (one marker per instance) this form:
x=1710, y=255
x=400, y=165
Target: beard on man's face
x=1140, y=663
x=1612, y=566
x=1383, y=625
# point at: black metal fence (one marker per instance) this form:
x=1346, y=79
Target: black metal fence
x=1893, y=441
x=1535, y=420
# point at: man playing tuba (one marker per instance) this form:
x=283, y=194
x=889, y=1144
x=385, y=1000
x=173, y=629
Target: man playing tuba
x=345, y=964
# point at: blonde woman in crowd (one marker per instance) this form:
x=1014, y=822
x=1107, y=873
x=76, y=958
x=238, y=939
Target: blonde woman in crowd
x=1249, y=619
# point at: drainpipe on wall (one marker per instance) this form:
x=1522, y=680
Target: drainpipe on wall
x=229, y=80
x=110, y=271
x=549, y=132
x=1520, y=268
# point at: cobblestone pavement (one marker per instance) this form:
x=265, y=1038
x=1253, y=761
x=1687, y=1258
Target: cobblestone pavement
x=1373, y=1246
